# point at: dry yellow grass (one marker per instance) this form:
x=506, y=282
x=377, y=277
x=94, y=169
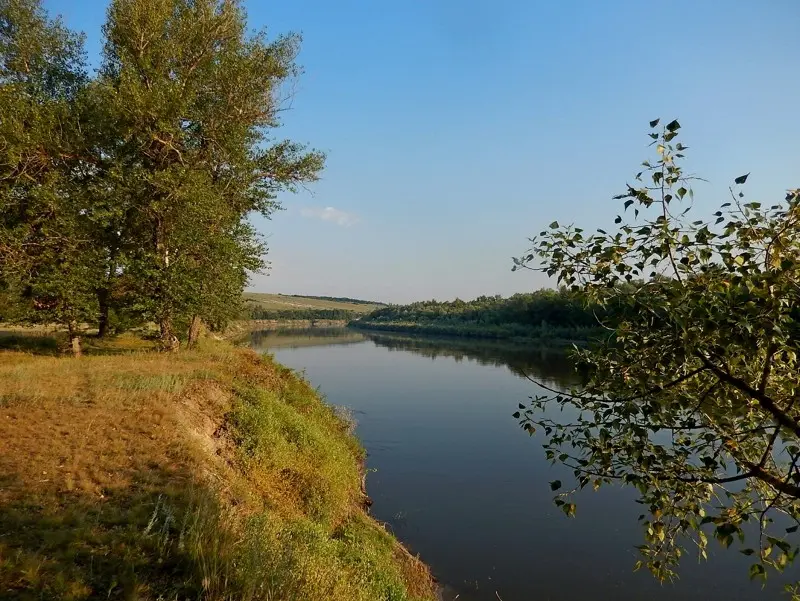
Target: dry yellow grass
x=207, y=474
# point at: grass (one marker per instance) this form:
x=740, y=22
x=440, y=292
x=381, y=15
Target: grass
x=52, y=341
x=278, y=302
x=209, y=474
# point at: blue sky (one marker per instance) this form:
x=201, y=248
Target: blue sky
x=455, y=129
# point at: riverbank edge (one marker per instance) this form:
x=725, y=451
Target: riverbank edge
x=251, y=483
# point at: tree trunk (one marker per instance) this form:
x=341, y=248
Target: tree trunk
x=74, y=340
x=102, y=324
x=169, y=342
x=194, y=331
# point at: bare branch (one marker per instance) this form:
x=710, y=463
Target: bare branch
x=654, y=390
x=783, y=418
x=765, y=372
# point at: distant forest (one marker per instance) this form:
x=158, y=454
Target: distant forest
x=545, y=314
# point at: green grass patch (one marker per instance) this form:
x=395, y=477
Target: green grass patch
x=212, y=474
x=36, y=342
x=302, y=446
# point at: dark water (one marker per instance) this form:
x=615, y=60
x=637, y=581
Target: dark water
x=463, y=486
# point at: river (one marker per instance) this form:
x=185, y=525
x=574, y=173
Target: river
x=460, y=483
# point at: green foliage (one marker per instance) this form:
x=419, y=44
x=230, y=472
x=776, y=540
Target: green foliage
x=194, y=97
x=47, y=259
x=545, y=314
x=693, y=402
x=128, y=193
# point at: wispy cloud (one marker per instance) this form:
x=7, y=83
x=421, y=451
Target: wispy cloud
x=330, y=214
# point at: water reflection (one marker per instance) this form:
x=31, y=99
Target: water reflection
x=264, y=340
x=462, y=485
x=546, y=364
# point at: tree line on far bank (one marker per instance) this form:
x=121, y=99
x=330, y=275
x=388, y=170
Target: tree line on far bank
x=124, y=194
x=547, y=313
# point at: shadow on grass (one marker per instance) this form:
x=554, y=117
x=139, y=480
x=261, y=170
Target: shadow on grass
x=130, y=543
x=36, y=343
x=55, y=343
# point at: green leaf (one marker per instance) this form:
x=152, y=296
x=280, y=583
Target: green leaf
x=741, y=179
x=734, y=296
x=654, y=122
x=554, y=225
x=673, y=126
x=555, y=485
x=757, y=571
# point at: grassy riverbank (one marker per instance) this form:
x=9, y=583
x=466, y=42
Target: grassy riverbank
x=205, y=474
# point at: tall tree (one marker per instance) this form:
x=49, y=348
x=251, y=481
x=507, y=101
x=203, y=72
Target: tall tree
x=194, y=99
x=693, y=398
x=46, y=255
x=216, y=296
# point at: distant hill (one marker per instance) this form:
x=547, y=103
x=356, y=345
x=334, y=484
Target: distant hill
x=339, y=299
x=261, y=305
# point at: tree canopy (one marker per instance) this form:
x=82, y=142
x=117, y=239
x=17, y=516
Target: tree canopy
x=128, y=193
x=47, y=259
x=692, y=398
x=542, y=314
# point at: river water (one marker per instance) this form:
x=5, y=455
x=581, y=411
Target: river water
x=464, y=487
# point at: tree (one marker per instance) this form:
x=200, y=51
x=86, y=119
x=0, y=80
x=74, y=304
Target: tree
x=224, y=268
x=692, y=398
x=129, y=194
x=194, y=98
x=47, y=258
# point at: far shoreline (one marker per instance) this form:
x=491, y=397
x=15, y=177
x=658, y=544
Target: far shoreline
x=471, y=334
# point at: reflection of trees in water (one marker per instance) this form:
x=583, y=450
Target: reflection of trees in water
x=539, y=362
x=288, y=337
x=542, y=363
